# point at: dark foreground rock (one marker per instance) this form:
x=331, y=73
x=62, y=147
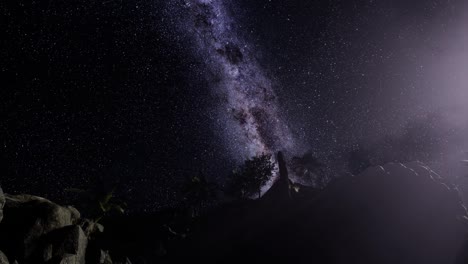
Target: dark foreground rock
x=391, y=214
x=65, y=245
x=36, y=230
x=3, y=258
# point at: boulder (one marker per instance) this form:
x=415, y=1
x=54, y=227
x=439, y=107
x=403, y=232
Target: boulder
x=27, y=220
x=3, y=258
x=64, y=245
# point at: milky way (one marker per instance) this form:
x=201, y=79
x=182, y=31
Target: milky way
x=249, y=109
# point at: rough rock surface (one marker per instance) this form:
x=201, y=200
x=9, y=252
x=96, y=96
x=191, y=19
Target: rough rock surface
x=3, y=258
x=65, y=245
x=27, y=221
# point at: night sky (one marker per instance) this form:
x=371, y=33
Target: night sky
x=145, y=93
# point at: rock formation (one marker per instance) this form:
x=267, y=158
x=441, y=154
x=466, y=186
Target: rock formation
x=3, y=258
x=35, y=230
x=29, y=221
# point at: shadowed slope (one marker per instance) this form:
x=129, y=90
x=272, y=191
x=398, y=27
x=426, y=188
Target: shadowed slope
x=391, y=214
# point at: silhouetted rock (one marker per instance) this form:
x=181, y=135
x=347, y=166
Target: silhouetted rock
x=3, y=258
x=397, y=213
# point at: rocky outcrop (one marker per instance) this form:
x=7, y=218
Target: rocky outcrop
x=36, y=230
x=64, y=245
x=3, y=258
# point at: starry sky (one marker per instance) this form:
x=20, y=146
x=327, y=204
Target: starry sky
x=145, y=93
